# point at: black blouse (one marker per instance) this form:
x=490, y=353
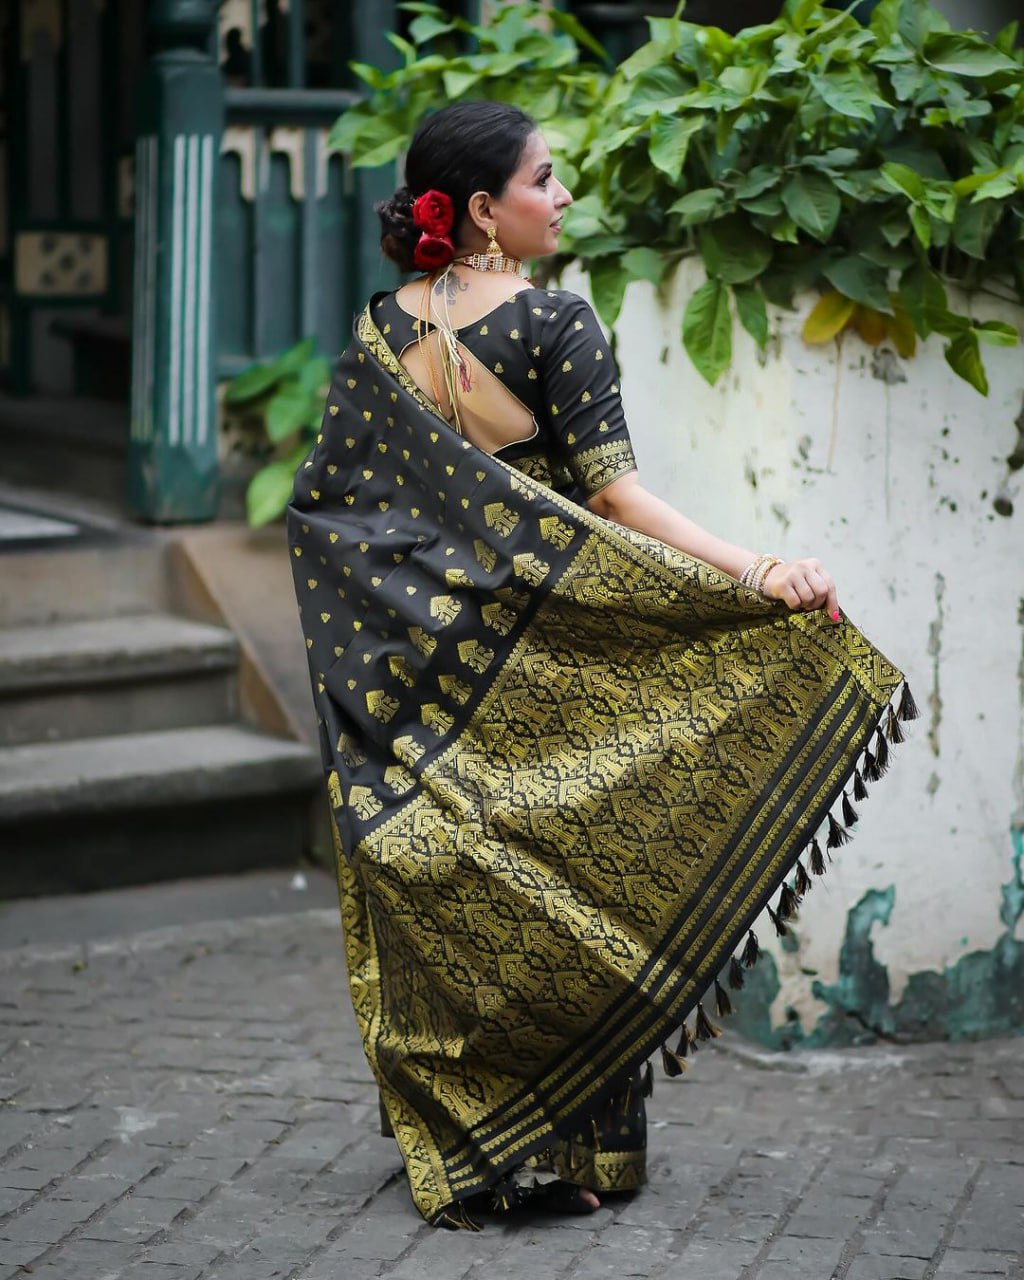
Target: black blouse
x=548, y=349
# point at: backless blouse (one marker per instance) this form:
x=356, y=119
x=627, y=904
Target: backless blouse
x=547, y=348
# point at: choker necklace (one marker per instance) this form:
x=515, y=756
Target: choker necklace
x=492, y=262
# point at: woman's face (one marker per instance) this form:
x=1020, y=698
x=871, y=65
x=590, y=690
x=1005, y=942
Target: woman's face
x=528, y=213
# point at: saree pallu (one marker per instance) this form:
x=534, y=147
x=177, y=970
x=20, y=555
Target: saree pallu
x=568, y=766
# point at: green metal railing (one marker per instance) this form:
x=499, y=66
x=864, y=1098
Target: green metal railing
x=249, y=233
x=289, y=226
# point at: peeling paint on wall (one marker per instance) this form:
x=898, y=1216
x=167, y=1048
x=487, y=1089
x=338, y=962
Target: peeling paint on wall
x=982, y=994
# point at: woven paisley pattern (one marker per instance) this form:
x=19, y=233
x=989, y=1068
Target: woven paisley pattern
x=569, y=766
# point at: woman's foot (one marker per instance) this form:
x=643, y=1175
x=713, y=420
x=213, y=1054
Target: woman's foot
x=564, y=1197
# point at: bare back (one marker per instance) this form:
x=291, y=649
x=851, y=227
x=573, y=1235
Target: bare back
x=489, y=414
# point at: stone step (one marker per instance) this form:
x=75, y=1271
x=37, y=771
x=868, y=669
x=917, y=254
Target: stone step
x=96, y=575
x=137, y=807
x=131, y=674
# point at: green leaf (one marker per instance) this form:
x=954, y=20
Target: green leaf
x=922, y=225
x=697, y=206
x=251, y=384
x=998, y=189
x=314, y=376
x=963, y=357
x=769, y=204
x=407, y=50
x=287, y=411
x=894, y=227
x=429, y=25
x=349, y=126
x=733, y=251
x=459, y=80
x=924, y=297
x=643, y=263
x=269, y=492
x=849, y=92
x=707, y=330
x=918, y=155
x=659, y=85
x=813, y=203
x=292, y=360
x=670, y=141
x=752, y=312
x=966, y=55
x=758, y=180
x=968, y=186
x=997, y=334
x=974, y=226
x=373, y=76
x=608, y=280
x=572, y=26
x=836, y=158
x=860, y=280
x=782, y=229
x=798, y=12
x=898, y=177
x=907, y=80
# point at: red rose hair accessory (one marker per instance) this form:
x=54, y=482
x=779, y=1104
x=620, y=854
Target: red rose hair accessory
x=434, y=214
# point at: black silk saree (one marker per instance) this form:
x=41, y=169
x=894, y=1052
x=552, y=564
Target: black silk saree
x=568, y=766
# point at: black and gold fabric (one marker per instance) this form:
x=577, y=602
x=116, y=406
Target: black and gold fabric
x=547, y=348
x=568, y=765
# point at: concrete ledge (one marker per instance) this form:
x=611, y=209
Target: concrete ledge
x=150, y=770
x=112, y=650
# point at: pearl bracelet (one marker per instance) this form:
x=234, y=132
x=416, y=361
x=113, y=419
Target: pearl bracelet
x=754, y=575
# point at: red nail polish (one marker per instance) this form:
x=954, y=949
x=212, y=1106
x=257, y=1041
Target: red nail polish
x=835, y=615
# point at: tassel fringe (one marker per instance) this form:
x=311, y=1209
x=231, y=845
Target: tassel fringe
x=788, y=904
x=803, y=881
x=894, y=730
x=873, y=766
x=455, y=1218
x=780, y=928
x=908, y=707
x=881, y=752
x=837, y=835
x=706, y=1030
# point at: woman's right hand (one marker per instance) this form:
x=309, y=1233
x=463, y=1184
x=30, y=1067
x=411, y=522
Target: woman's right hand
x=803, y=584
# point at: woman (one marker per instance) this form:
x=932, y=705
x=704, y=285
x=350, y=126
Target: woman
x=574, y=742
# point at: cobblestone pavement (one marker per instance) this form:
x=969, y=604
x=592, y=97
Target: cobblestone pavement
x=193, y=1104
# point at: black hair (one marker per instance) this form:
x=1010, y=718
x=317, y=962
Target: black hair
x=467, y=147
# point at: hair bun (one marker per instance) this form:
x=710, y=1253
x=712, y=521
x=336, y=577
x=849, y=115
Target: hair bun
x=399, y=234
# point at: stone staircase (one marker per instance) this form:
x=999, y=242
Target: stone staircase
x=124, y=756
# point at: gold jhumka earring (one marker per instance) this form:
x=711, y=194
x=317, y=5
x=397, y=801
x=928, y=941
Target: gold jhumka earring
x=494, y=259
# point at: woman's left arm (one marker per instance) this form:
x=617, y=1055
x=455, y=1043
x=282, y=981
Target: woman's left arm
x=801, y=584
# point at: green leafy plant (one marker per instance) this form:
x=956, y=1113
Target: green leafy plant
x=285, y=398
x=880, y=163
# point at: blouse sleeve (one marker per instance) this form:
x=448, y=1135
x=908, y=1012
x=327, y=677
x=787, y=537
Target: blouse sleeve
x=581, y=393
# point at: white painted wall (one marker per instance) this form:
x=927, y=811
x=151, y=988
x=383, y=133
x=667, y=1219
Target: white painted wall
x=803, y=453
x=989, y=16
